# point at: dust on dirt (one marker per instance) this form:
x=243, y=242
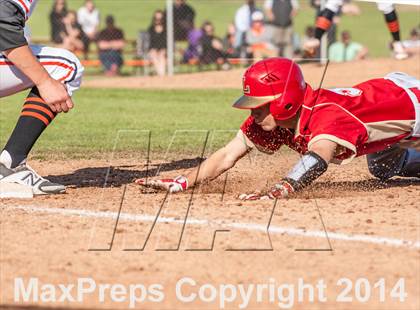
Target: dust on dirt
x=39, y=239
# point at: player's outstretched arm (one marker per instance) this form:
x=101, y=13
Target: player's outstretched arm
x=310, y=167
x=219, y=162
x=52, y=92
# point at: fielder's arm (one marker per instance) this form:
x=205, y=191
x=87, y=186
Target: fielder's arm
x=53, y=92
x=219, y=162
x=14, y=46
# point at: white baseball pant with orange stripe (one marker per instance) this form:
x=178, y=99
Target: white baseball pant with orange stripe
x=61, y=65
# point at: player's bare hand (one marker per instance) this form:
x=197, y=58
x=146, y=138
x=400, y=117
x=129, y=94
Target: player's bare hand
x=255, y=196
x=278, y=191
x=175, y=185
x=55, y=95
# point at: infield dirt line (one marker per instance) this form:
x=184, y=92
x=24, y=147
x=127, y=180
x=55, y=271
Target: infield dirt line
x=410, y=244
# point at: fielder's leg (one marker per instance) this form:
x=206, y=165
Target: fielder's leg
x=394, y=161
x=324, y=20
x=391, y=19
x=36, y=115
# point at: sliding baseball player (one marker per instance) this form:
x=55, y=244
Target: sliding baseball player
x=379, y=118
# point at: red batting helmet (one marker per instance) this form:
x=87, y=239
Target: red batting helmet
x=278, y=81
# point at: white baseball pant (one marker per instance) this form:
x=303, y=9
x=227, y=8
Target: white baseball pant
x=61, y=65
x=334, y=5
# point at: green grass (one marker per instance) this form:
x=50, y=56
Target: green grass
x=91, y=128
x=134, y=15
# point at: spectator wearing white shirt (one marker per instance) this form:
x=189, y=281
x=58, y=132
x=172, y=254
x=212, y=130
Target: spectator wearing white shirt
x=412, y=45
x=243, y=21
x=260, y=38
x=280, y=14
x=88, y=17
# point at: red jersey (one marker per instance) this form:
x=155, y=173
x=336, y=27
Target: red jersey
x=363, y=119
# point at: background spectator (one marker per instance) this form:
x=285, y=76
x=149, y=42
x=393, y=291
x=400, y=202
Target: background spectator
x=346, y=50
x=412, y=45
x=211, y=46
x=157, y=35
x=192, y=53
x=280, y=14
x=88, y=18
x=58, y=12
x=229, y=42
x=259, y=38
x=72, y=36
x=243, y=21
x=111, y=43
x=309, y=44
x=184, y=16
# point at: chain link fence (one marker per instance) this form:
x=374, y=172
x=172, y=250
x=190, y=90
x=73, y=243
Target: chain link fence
x=161, y=37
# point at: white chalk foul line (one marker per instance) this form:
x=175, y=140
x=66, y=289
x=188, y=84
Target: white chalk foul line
x=243, y=226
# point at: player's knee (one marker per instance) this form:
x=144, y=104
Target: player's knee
x=411, y=167
x=75, y=60
x=387, y=163
x=385, y=7
x=334, y=5
x=380, y=171
x=74, y=80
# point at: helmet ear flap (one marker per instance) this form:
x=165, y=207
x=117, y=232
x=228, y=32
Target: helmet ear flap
x=281, y=106
x=287, y=105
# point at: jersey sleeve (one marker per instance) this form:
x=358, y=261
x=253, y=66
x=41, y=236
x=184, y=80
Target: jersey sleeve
x=265, y=141
x=333, y=123
x=12, y=24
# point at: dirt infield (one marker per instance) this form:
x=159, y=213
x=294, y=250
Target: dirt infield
x=347, y=225
x=338, y=75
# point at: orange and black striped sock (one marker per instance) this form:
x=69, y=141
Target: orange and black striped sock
x=393, y=24
x=323, y=23
x=33, y=120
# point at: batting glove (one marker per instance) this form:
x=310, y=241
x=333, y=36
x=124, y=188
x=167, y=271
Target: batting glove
x=281, y=190
x=176, y=185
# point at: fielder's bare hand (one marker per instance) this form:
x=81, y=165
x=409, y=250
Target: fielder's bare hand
x=55, y=95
